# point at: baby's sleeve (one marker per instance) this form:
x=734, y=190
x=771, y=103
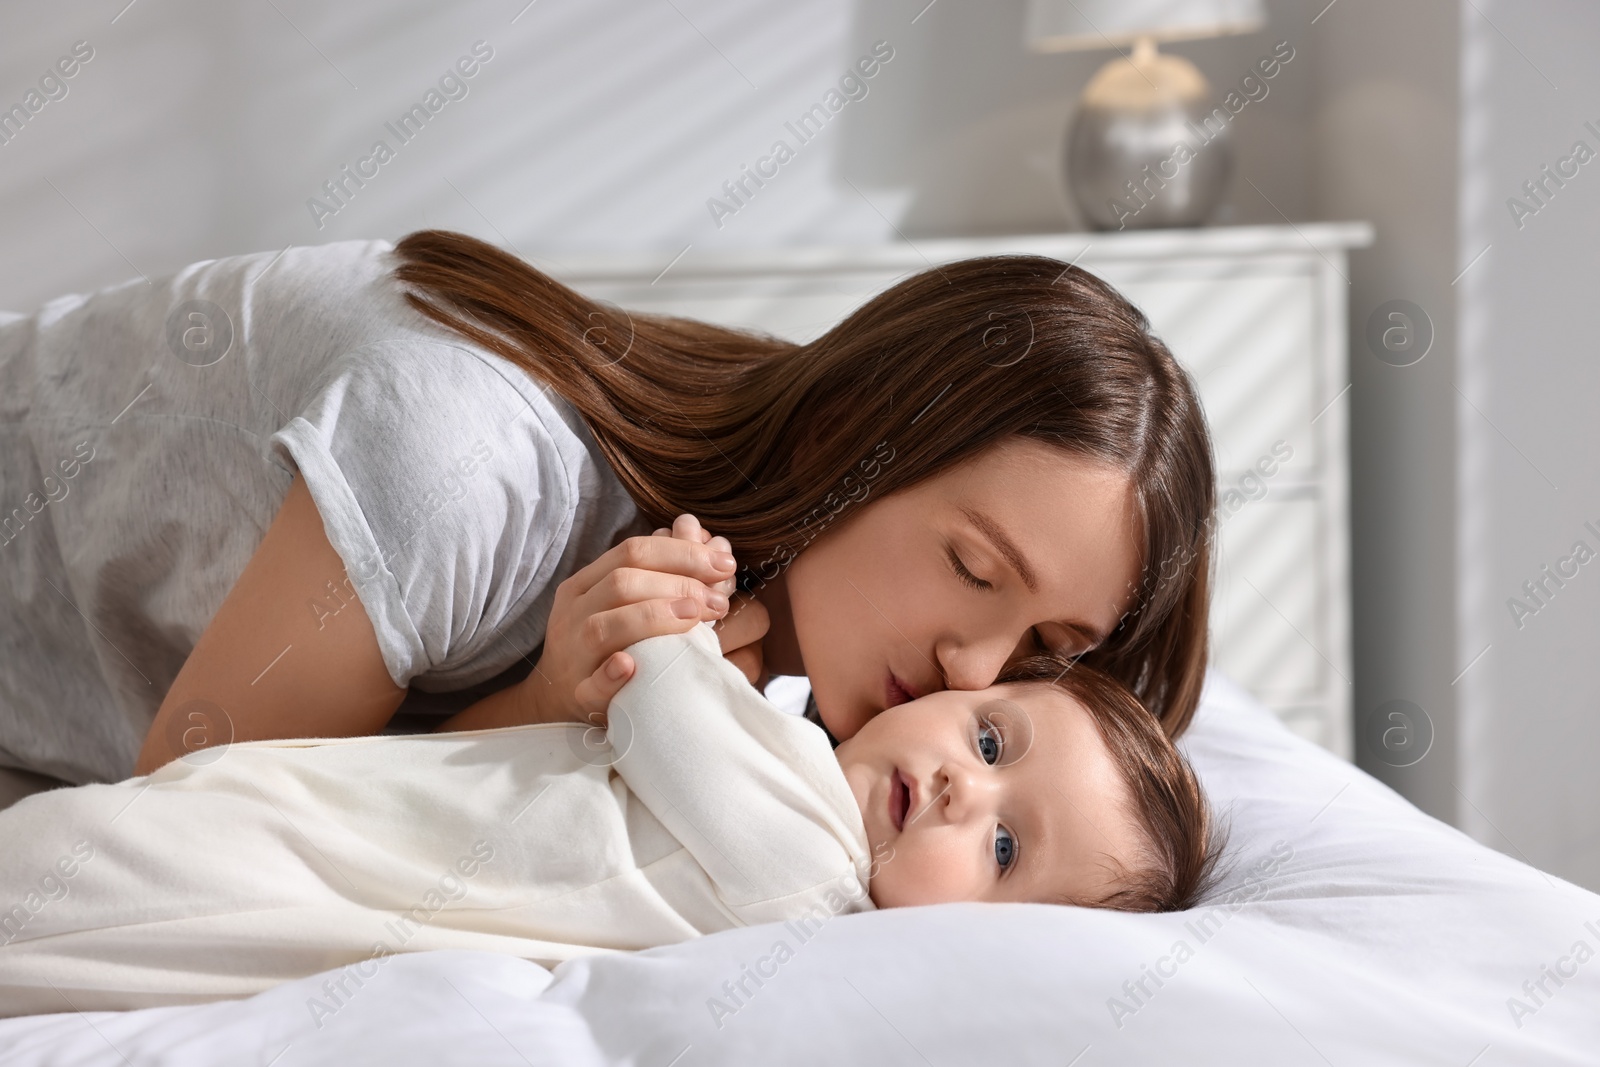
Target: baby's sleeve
x=443, y=493
x=755, y=795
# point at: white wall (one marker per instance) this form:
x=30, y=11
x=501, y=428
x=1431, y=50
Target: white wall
x=1479, y=465
x=1385, y=122
x=200, y=130
x=1529, y=439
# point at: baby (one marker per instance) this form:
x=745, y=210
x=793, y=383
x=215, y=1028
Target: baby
x=1054, y=786
x=701, y=807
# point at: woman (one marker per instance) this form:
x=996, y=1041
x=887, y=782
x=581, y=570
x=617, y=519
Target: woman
x=358, y=470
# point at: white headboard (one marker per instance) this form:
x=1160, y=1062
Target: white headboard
x=1257, y=314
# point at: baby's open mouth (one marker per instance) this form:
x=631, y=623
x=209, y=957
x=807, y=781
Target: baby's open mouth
x=899, y=799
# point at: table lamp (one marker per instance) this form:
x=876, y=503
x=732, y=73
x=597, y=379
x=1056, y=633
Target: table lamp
x=1123, y=162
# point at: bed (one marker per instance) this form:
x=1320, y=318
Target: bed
x=1349, y=928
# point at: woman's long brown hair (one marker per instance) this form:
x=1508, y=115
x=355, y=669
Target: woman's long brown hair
x=756, y=436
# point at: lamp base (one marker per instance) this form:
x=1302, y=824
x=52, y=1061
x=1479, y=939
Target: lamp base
x=1145, y=148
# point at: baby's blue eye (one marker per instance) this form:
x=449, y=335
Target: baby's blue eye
x=990, y=743
x=1005, y=847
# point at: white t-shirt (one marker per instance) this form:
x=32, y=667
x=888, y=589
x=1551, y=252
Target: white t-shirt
x=150, y=431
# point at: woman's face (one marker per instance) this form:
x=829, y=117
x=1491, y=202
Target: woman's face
x=1022, y=548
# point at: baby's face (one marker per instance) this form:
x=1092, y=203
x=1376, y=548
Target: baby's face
x=1005, y=794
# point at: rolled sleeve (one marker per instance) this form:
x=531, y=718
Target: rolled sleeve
x=442, y=491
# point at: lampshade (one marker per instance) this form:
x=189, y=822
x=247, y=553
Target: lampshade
x=1067, y=25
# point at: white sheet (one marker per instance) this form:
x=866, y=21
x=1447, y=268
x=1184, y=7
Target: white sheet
x=1381, y=936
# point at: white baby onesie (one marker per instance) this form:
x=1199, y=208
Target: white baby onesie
x=702, y=807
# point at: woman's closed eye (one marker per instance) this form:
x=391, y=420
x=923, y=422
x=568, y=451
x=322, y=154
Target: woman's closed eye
x=1067, y=649
x=963, y=573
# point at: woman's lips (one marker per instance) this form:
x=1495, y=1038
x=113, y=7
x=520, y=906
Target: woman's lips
x=895, y=693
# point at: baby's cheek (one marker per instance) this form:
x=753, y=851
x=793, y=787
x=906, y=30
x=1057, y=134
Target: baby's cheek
x=917, y=869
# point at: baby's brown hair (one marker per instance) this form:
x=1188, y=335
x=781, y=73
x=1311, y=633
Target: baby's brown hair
x=1177, y=856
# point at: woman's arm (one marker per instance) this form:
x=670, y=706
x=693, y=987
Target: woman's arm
x=270, y=663
x=274, y=662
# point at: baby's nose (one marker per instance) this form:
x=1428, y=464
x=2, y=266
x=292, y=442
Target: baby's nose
x=962, y=795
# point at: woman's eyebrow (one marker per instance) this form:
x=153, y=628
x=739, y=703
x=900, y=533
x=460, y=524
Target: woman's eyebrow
x=1003, y=545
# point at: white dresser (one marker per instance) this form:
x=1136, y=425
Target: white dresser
x=1257, y=314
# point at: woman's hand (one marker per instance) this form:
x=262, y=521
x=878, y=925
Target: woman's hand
x=642, y=587
x=739, y=632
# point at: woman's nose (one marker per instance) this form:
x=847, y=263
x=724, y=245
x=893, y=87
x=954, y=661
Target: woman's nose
x=975, y=665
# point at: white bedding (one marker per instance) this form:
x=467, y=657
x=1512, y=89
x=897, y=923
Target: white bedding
x=1352, y=929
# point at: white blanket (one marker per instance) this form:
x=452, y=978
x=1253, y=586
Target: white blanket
x=232, y=870
x=1380, y=936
